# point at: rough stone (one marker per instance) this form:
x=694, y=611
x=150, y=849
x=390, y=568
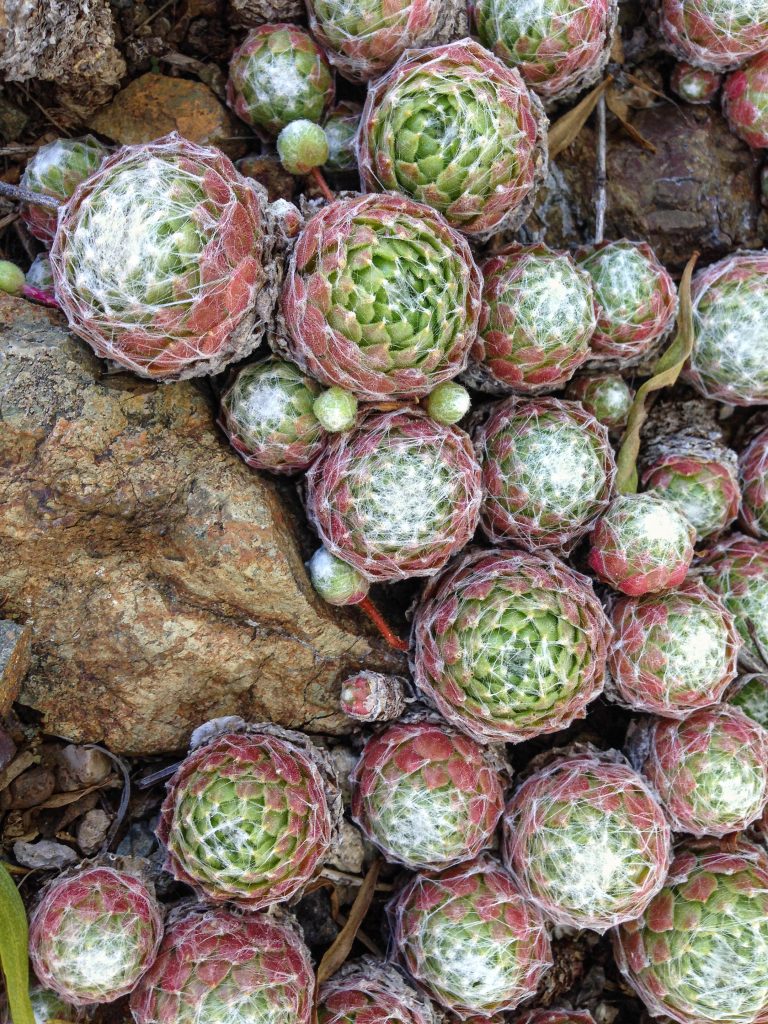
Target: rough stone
x=15, y=654
x=31, y=788
x=81, y=766
x=259, y=12
x=163, y=578
x=92, y=830
x=46, y=855
x=153, y=105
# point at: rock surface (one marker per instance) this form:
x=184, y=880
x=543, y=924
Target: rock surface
x=162, y=577
x=15, y=648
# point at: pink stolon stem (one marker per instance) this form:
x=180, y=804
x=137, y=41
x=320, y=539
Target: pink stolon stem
x=381, y=624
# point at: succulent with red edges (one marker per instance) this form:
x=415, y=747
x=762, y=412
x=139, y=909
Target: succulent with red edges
x=694, y=85
x=548, y=472
x=704, y=486
x=673, y=653
x=469, y=938
x=396, y=497
x=56, y=169
x=753, y=474
x=250, y=816
x=745, y=102
x=453, y=127
x=737, y=570
x=94, y=933
x=427, y=796
x=381, y=298
x=221, y=967
x=715, y=34
x=710, y=771
x=370, y=991
x=508, y=645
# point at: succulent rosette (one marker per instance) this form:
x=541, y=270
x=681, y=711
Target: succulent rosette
x=56, y=170
x=396, y=497
x=559, y=46
x=737, y=570
x=587, y=841
x=543, y=1016
x=94, y=933
x=250, y=816
x=370, y=991
x=381, y=298
x=548, y=472
x=453, y=127
x=753, y=474
x=745, y=102
x=427, y=796
x=698, y=953
x=221, y=967
x=277, y=75
x=373, y=697
x=636, y=298
x=729, y=361
x=470, y=939
x=710, y=771
x=750, y=693
x=336, y=581
x=538, y=316
x=643, y=544
x=673, y=653
x=508, y=645
x=694, y=85
x=267, y=416
x=341, y=125
x=606, y=395
x=705, y=488
x=46, y=1006
x=715, y=34
x=162, y=260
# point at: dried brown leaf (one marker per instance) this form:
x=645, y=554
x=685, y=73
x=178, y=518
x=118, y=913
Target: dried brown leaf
x=565, y=130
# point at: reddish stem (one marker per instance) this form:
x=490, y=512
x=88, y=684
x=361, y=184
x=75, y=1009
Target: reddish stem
x=381, y=624
x=316, y=175
x=39, y=296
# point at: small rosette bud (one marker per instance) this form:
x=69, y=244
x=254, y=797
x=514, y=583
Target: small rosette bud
x=341, y=126
x=336, y=409
x=694, y=85
x=12, y=278
x=606, y=395
x=56, y=170
x=448, y=403
x=302, y=145
x=336, y=581
x=373, y=697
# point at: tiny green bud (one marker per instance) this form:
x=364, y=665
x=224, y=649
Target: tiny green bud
x=334, y=580
x=448, y=403
x=301, y=146
x=336, y=409
x=12, y=279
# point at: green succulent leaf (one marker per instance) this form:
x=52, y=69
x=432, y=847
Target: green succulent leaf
x=14, y=936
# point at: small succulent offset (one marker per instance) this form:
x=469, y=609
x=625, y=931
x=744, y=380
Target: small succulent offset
x=341, y=125
x=745, y=102
x=250, y=816
x=370, y=991
x=302, y=146
x=336, y=581
x=374, y=697
x=674, y=653
x=636, y=298
x=559, y=46
x=606, y=395
x=715, y=34
x=587, y=841
x=56, y=170
x=729, y=361
x=279, y=74
x=705, y=487
x=710, y=771
x=470, y=939
x=397, y=496
x=508, y=645
x=698, y=953
x=453, y=127
x=694, y=85
x=750, y=693
x=753, y=475
x=448, y=403
x=94, y=933
x=548, y=472
x=221, y=967
x=643, y=544
x=162, y=260
x=381, y=297
x=537, y=318
x=737, y=570
x=427, y=796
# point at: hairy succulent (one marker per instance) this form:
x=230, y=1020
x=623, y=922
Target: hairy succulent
x=302, y=146
x=705, y=488
x=250, y=816
x=46, y=1006
x=508, y=645
x=737, y=570
x=453, y=127
x=710, y=771
x=161, y=260
x=548, y=472
x=341, y=125
x=715, y=34
x=397, y=496
x=381, y=298
x=643, y=544
x=672, y=653
x=336, y=581
x=698, y=952
x=606, y=395
x=753, y=475
x=559, y=46
x=636, y=298
x=587, y=841
x=745, y=102
x=469, y=938
x=94, y=933
x=277, y=75
x=221, y=967
x=538, y=316
x=370, y=991
x=694, y=85
x=750, y=693
x=374, y=697
x=448, y=403
x=729, y=361
x=56, y=169
x=426, y=795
